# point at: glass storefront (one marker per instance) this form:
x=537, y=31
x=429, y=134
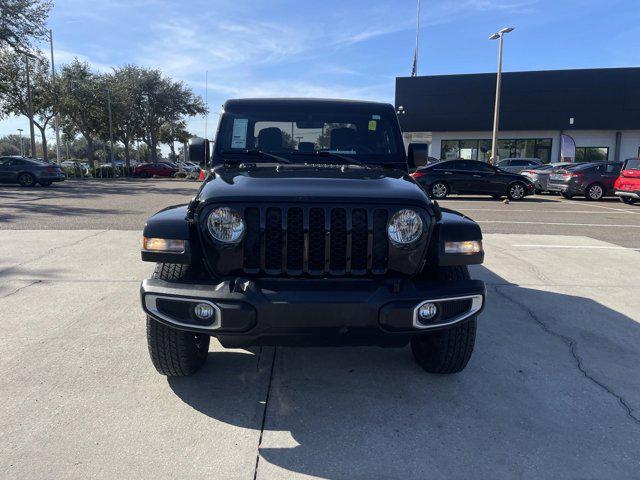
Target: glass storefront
x=507, y=148
x=592, y=154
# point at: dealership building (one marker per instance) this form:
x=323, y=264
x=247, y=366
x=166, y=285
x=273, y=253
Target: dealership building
x=598, y=108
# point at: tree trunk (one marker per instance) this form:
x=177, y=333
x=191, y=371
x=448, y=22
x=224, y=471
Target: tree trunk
x=90, y=151
x=127, y=155
x=173, y=152
x=43, y=136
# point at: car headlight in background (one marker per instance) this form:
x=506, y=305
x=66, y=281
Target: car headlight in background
x=405, y=227
x=226, y=225
x=468, y=247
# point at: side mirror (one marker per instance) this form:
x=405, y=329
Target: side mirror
x=199, y=151
x=418, y=155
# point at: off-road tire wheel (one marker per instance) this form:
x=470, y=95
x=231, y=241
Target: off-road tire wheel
x=594, y=192
x=446, y=351
x=516, y=191
x=628, y=200
x=26, y=180
x=175, y=353
x=439, y=190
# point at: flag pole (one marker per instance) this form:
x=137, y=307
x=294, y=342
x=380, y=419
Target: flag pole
x=414, y=71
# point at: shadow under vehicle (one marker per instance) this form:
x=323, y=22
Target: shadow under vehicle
x=307, y=231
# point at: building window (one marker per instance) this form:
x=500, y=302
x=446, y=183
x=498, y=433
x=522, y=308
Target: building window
x=592, y=154
x=507, y=148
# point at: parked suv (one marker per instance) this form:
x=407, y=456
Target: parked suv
x=627, y=185
x=145, y=170
x=471, y=177
x=28, y=171
x=593, y=180
x=517, y=165
x=322, y=241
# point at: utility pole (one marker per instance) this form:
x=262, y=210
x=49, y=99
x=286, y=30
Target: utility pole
x=206, y=101
x=21, y=144
x=496, y=112
x=110, y=126
x=56, y=125
x=30, y=109
x=414, y=70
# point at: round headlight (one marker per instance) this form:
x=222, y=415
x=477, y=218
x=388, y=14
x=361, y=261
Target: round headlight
x=226, y=225
x=405, y=227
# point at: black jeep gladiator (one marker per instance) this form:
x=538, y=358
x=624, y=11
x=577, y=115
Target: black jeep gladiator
x=308, y=230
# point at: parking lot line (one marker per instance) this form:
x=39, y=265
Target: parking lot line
x=506, y=209
x=624, y=210
x=605, y=247
x=559, y=223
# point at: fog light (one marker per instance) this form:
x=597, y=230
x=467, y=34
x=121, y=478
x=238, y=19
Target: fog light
x=204, y=311
x=427, y=311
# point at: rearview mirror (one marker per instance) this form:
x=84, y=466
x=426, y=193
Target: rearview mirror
x=418, y=155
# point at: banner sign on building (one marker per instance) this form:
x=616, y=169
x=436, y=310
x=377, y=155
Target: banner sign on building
x=567, y=148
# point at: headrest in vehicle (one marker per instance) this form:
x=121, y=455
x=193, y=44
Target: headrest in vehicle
x=342, y=137
x=306, y=146
x=270, y=139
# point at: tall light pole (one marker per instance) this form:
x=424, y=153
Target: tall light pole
x=30, y=107
x=53, y=84
x=110, y=126
x=21, y=144
x=496, y=113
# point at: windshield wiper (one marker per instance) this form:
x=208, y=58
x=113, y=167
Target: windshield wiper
x=257, y=152
x=325, y=153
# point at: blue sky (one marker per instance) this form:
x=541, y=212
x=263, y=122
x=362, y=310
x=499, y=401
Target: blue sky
x=343, y=49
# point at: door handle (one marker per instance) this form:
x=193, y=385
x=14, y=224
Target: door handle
x=477, y=176
x=448, y=173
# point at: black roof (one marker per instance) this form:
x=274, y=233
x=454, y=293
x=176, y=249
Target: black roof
x=302, y=103
x=606, y=98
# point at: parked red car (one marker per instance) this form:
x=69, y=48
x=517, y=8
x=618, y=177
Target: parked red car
x=627, y=186
x=145, y=170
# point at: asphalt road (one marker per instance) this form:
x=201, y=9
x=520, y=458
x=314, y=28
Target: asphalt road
x=126, y=204
x=552, y=390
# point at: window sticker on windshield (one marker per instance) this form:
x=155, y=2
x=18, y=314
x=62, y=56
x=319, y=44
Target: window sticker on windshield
x=239, y=139
x=373, y=125
x=375, y=117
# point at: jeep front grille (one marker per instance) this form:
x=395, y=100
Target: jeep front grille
x=309, y=240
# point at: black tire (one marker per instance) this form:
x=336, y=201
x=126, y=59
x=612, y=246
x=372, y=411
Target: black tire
x=628, y=200
x=25, y=179
x=594, y=192
x=175, y=353
x=566, y=195
x=439, y=190
x=143, y=175
x=45, y=184
x=446, y=351
x=516, y=191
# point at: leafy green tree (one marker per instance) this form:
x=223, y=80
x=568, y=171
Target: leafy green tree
x=21, y=22
x=171, y=132
x=13, y=91
x=164, y=101
x=83, y=103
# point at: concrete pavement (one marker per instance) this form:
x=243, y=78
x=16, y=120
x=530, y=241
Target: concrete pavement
x=552, y=391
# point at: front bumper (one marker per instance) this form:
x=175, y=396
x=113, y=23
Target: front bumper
x=312, y=312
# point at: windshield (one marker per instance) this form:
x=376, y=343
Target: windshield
x=307, y=137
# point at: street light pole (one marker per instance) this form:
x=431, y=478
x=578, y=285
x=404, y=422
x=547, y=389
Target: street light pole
x=110, y=126
x=21, y=144
x=56, y=126
x=30, y=109
x=496, y=112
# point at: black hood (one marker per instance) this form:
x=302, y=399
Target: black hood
x=309, y=184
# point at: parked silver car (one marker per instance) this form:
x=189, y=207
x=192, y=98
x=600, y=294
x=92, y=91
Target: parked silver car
x=516, y=165
x=28, y=171
x=539, y=174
